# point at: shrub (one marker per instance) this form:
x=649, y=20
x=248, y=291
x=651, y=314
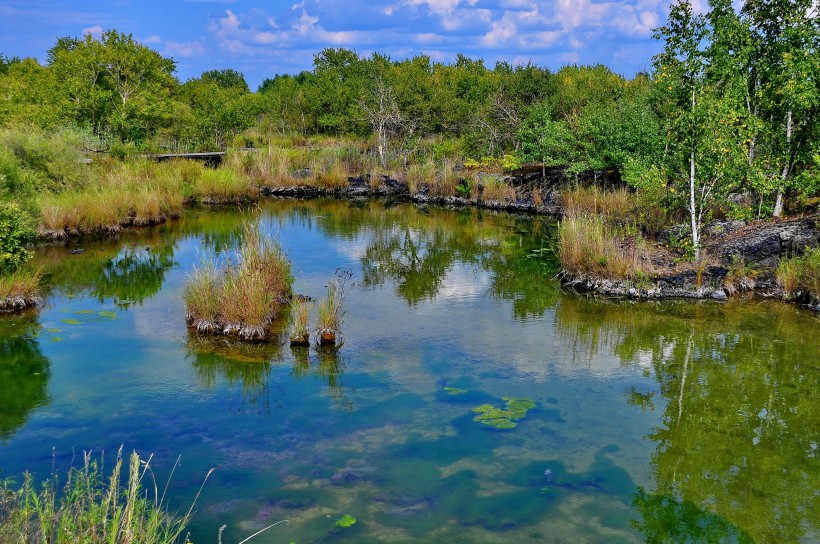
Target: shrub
x=15, y=233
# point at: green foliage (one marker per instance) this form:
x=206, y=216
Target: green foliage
x=801, y=273
x=503, y=418
x=15, y=233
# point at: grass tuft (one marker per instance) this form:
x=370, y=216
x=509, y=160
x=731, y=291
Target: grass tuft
x=90, y=508
x=245, y=298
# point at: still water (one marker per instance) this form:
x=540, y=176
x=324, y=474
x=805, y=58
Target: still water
x=675, y=421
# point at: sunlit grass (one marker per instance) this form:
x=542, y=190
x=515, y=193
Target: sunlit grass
x=91, y=507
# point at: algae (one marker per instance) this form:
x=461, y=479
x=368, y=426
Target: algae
x=72, y=322
x=345, y=521
x=454, y=391
x=503, y=418
x=107, y=313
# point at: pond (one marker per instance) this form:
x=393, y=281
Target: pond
x=671, y=421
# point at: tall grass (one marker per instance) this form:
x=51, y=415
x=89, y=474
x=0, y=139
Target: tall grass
x=91, y=508
x=613, y=205
x=591, y=247
x=19, y=290
x=244, y=298
x=801, y=273
x=300, y=323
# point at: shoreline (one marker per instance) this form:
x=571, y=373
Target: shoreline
x=683, y=283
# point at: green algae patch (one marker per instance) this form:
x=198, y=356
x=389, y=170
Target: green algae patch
x=72, y=322
x=85, y=312
x=107, y=313
x=503, y=418
x=454, y=391
x=345, y=521
x=53, y=329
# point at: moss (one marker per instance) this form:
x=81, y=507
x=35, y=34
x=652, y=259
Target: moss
x=503, y=418
x=345, y=521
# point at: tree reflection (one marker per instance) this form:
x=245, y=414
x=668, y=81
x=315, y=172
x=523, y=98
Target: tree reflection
x=24, y=374
x=737, y=443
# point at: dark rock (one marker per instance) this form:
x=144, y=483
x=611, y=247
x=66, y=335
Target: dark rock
x=75, y=251
x=718, y=228
x=765, y=244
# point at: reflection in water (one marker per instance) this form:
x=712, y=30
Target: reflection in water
x=24, y=373
x=125, y=273
x=240, y=363
x=737, y=450
x=324, y=363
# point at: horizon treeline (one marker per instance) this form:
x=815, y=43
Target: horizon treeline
x=730, y=106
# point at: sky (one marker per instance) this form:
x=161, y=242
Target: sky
x=262, y=38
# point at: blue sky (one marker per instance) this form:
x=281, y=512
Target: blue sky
x=262, y=38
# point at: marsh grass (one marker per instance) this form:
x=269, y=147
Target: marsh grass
x=801, y=273
x=615, y=205
x=740, y=277
x=496, y=190
x=243, y=298
x=590, y=247
x=300, y=323
x=19, y=290
x=90, y=507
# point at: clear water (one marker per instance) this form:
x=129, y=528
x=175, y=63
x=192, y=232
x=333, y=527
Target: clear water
x=675, y=421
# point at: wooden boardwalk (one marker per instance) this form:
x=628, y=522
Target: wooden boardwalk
x=211, y=157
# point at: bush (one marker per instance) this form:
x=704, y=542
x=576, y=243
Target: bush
x=15, y=233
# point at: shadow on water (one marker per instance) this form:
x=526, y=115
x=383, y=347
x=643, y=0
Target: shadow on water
x=736, y=452
x=24, y=373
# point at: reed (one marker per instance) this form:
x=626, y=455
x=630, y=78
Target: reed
x=300, y=324
x=614, y=205
x=801, y=273
x=19, y=290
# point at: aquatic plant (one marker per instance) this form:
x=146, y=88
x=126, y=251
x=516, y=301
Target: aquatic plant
x=300, y=324
x=243, y=299
x=345, y=521
x=329, y=312
x=454, y=391
x=90, y=507
x=503, y=418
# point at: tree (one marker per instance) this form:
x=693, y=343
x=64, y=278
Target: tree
x=383, y=114
x=700, y=124
x=114, y=83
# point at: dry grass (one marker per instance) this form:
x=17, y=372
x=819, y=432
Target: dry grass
x=19, y=290
x=740, y=277
x=590, y=247
x=496, y=190
x=588, y=201
x=245, y=298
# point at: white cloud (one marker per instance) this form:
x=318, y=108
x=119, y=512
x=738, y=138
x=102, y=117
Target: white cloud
x=151, y=40
x=502, y=31
x=184, y=49
x=96, y=31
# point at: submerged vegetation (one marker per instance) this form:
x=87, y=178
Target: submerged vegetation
x=244, y=298
x=503, y=418
x=90, y=507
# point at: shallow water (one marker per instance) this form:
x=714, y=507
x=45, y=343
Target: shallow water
x=675, y=421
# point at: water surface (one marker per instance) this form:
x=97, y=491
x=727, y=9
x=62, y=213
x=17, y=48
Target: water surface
x=675, y=421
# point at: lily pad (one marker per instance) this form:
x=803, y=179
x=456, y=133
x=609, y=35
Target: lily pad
x=345, y=521
x=454, y=391
x=503, y=418
x=72, y=322
x=109, y=314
